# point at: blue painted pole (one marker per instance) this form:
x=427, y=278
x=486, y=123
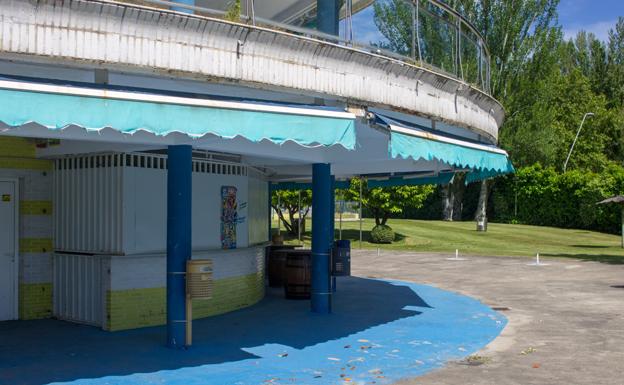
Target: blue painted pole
x=179, y=184
x=182, y=9
x=332, y=231
x=321, y=238
x=270, y=212
x=328, y=16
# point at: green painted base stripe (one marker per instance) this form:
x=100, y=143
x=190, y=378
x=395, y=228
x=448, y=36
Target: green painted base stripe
x=129, y=309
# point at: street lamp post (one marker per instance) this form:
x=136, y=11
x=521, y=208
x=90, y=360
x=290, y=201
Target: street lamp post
x=565, y=165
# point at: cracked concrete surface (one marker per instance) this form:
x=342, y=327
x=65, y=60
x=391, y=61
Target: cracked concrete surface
x=566, y=319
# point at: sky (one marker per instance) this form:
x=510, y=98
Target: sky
x=597, y=16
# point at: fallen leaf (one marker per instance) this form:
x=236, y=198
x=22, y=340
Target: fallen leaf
x=528, y=350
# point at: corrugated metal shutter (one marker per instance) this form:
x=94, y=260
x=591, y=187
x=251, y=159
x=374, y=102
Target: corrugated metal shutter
x=79, y=293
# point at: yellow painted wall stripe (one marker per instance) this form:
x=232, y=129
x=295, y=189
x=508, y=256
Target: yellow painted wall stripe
x=35, y=300
x=11, y=146
x=35, y=245
x=35, y=207
x=26, y=164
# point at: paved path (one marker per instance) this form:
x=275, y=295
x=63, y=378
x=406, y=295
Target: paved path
x=566, y=320
x=379, y=332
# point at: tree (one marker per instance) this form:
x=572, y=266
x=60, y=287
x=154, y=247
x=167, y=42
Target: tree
x=516, y=33
x=386, y=201
x=288, y=200
x=393, y=19
x=615, y=65
x=452, y=195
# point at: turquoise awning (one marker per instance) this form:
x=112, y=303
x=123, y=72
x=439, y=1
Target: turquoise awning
x=479, y=160
x=57, y=107
x=406, y=146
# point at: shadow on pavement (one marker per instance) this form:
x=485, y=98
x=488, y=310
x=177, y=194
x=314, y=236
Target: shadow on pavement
x=43, y=351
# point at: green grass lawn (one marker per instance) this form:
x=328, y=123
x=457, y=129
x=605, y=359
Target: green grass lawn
x=499, y=240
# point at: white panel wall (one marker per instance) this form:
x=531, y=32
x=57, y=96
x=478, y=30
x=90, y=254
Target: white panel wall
x=258, y=211
x=207, y=210
x=150, y=270
x=145, y=228
x=117, y=204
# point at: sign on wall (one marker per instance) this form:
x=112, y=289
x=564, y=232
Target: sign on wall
x=229, y=217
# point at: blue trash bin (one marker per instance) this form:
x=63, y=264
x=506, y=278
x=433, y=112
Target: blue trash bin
x=341, y=258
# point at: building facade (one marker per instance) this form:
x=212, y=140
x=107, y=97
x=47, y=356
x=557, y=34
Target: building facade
x=97, y=96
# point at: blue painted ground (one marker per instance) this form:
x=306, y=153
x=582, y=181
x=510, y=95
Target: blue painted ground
x=380, y=331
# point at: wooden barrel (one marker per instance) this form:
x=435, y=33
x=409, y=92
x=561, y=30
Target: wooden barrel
x=277, y=267
x=276, y=263
x=298, y=274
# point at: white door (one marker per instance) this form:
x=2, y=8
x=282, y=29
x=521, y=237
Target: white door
x=8, y=257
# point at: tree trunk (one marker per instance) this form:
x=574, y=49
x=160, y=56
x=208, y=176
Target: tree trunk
x=384, y=219
x=481, y=213
x=447, y=202
x=458, y=188
x=295, y=226
x=280, y=216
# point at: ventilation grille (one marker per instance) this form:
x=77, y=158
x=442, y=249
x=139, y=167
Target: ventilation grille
x=146, y=161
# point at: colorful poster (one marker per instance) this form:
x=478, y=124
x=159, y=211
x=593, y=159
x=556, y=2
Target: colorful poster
x=229, y=217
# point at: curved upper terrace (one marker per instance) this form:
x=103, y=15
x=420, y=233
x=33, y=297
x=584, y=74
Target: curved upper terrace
x=418, y=57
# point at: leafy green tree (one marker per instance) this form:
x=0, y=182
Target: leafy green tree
x=233, y=11
x=386, y=201
x=615, y=65
x=288, y=201
x=393, y=19
x=544, y=131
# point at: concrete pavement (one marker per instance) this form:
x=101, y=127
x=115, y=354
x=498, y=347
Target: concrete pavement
x=566, y=319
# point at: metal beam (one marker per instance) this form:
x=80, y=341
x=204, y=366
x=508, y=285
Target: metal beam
x=332, y=221
x=179, y=198
x=328, y=16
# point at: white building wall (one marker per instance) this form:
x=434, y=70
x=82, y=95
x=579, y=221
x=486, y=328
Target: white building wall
x=120, y=206
x=258, y=210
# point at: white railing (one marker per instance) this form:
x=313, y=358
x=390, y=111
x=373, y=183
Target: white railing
x=428, y=33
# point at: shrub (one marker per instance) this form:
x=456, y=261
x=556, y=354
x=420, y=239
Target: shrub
x=382, y=234
x=548, y=198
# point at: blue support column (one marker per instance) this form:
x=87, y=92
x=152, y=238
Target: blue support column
x=328, y=16
x=332, y=231
x=270, y=212
x=179, y=198
x=321, y=238
x=181, y=9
